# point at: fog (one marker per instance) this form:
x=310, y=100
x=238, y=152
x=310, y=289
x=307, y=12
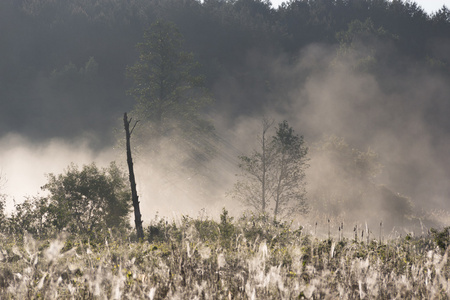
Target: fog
x=403, y=122
x=399, y=113
x=411, y=143
x=334, y=100
x=24, y=164
x=403, y=125
x=401, y=117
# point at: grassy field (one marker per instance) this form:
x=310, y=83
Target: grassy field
x=248, y=258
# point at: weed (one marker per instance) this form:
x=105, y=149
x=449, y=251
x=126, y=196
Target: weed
x=238, y=259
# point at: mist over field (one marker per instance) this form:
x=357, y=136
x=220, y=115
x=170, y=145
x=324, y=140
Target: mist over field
x=25, y=163
x=293, y=151
x=380, y=86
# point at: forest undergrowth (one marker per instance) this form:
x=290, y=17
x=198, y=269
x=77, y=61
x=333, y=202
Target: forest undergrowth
x=252, y=257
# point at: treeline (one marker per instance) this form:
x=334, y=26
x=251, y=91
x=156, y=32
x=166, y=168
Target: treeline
x=63, y=63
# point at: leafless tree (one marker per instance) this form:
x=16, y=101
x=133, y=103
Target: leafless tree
x=134, y=195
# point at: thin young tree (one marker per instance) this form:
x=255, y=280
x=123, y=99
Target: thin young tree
x=289, y=166
x=253, y=188
x=272, y=178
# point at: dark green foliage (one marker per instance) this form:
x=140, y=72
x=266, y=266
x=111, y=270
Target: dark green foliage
x=31, y=216
x=169, y=95
x=62, y=36
x=364, y=46
x=2, y=212
x=161, y=230
x=227, y=230
x=208, y=230
x=88, y=200
x=91, y=202
x=441, y=238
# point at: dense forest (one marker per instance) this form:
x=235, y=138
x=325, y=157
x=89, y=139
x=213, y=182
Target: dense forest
x=63, y=63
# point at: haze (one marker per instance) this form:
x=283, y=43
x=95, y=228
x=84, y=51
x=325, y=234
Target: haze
x=383, y=86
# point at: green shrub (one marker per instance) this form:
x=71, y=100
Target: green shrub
x=441, y=238
x=227, y=230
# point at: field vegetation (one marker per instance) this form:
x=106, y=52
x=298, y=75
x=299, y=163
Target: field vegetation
x=250, y=257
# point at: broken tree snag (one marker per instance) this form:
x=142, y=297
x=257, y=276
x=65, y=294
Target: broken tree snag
x=134, y=196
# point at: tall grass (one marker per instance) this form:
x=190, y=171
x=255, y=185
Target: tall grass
x=248, y=258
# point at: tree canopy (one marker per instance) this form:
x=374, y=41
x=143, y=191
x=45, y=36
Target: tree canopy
x=222, y=34
x=170, y=95
x=89, y=199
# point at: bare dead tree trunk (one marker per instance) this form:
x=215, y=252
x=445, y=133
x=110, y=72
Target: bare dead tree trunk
x=134, y=196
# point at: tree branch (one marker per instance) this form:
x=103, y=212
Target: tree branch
x=131, y=131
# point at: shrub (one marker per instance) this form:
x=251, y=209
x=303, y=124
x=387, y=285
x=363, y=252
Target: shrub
x=441, y=238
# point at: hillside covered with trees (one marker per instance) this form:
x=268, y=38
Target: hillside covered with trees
x=63, y=63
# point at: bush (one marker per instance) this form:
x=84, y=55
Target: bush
x=88, y=200
x=441, y=238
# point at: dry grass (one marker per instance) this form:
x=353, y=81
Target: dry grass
x=250, y=258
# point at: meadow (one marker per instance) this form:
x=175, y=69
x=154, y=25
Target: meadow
x=251, y=257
